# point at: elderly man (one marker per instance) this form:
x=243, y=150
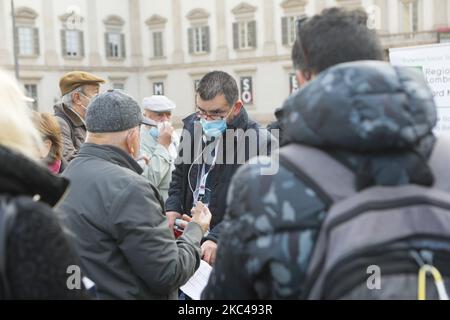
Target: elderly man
x=159, y=143
x=117, y=217
x=77, y=90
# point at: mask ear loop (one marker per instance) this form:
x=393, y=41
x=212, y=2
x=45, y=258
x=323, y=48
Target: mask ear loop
x=83, y=106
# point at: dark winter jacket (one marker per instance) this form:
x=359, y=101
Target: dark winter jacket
x=180, y=195
x=276, y=125
x=36, y=253
x=120, y=230
x=376, y=119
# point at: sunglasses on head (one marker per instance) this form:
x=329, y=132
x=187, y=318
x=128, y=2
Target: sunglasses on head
x=299, y=23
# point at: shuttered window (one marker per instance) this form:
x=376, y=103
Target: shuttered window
x=115, y=45
x=244, y=35
x=409, y=15
x=28, y=41
x=199, y=40
x=288, y=28
x=31, y=92
x=158, y=49
x=72, y=42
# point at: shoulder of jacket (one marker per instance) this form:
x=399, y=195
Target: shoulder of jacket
x=63, y=122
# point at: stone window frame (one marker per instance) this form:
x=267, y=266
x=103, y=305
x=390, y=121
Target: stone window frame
x=157, y=24
x=72, y=22
x=118, y=79
x=114, y=24
x=291, y=9
x=32, y=80
x=245, y=15
x=26, y=18
x=199, y=27
x=419, y=26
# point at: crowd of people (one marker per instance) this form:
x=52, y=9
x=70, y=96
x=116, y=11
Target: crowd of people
x=105, y=184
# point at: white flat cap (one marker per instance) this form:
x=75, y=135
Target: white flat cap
x=158, y=104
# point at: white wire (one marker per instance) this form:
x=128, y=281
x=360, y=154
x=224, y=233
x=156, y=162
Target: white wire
x=196, y=159
x=190, y=168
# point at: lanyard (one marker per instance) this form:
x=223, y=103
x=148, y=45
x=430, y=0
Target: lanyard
x=200, y=191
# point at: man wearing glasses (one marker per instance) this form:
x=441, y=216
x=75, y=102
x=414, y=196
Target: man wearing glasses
x=218, y=109
x=77, y=89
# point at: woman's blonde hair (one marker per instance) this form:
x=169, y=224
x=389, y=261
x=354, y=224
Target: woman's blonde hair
x=50, y=130
x=17, y=130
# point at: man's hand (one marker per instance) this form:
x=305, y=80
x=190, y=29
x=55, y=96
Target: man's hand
x=183, y=222
x=171, y=217
x=143, y=160
x=202, y=216
x=209, y=250
x=165, y=135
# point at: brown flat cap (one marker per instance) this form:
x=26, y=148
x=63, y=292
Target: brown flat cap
x=76, y=79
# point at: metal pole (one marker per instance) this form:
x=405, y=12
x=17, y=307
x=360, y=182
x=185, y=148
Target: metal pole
x=15, y=38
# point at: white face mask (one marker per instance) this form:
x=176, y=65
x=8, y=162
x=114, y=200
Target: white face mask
x=90, y=99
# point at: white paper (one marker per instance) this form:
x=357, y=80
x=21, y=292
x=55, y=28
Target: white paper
x=195, y=286
x=434, y=62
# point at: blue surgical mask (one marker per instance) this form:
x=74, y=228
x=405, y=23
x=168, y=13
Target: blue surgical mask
x=213, y=129
x=154, y=132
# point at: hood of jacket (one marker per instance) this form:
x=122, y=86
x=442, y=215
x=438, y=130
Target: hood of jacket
x=375, y=117
x=20, y=176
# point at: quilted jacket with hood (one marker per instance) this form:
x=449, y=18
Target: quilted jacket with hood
x=376, y=119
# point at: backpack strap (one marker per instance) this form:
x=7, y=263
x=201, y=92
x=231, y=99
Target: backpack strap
x=440, y=163
x=331, y=179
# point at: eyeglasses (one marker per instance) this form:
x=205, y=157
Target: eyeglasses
x=212, y=116
x=162, y=114
x=89, y=98
x=300, y=21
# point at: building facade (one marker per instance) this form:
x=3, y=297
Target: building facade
x=151, y=47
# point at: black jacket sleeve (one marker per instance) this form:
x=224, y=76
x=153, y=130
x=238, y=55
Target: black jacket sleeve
x=174, y=202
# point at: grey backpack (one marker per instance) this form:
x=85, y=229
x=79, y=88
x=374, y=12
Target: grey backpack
x=382, y=242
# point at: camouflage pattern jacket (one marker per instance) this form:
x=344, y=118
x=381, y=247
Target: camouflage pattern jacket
x=373, y=117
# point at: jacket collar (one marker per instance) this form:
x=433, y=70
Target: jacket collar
x=111, y=154
x=76, y=120
x=22, y=176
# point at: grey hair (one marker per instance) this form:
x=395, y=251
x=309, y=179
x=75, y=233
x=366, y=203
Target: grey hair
x=67, y=98
x=216, y=83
